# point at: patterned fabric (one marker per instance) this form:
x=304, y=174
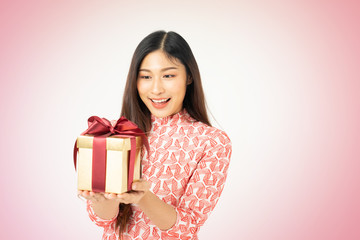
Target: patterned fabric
x=187, y=168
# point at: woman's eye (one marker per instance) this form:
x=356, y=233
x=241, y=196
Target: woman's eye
x=145, y=77
x=169, y=76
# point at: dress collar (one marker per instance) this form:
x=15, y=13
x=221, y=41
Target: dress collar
x=183, y=115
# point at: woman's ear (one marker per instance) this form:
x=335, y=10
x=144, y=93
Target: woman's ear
x=189, y=80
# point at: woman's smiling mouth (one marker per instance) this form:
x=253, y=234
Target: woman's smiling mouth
x=159, y=102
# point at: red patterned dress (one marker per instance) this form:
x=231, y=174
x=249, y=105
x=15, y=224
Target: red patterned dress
x=187, y=168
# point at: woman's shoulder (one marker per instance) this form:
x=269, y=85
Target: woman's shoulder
x=213, y=142
x=213, y=133
x=203, y=130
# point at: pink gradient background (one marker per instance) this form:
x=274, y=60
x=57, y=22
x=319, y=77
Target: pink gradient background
x=281, y=77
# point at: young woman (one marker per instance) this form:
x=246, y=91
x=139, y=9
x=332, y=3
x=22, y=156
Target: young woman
x=185, y=170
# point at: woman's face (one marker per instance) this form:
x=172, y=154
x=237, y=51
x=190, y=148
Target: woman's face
x=162, y=84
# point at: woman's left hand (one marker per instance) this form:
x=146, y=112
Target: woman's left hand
x=140, y=188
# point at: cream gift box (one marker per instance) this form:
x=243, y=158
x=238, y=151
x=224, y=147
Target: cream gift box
x=116, y=169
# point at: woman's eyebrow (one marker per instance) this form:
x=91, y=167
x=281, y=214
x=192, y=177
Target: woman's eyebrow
x=168, y=68
x=162, y=70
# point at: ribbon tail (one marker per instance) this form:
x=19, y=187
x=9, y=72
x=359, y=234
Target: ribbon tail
x=75, y=154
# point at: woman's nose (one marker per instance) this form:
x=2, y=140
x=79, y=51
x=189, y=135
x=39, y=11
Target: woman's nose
x=157, y=86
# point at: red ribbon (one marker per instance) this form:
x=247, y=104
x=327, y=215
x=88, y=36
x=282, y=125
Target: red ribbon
x=101, y=128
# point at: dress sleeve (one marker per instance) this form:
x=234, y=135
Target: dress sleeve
x=105, y=223
x=203, y=189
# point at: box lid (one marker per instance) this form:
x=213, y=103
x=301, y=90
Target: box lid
x=112, y=143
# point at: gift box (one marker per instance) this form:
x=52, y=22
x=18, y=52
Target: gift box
x=116, y=168
x=106, y=157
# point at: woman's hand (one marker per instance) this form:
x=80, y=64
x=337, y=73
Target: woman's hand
x=103, y=207
x=106, y=205
x=92, y=196
x=140, y=188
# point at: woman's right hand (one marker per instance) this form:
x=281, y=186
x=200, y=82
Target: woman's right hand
x=104, y=206
x=92, y=196
x=97, y=197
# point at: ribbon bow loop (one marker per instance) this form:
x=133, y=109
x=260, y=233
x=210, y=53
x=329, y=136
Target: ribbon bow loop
x=123, y=125
x=98, y=126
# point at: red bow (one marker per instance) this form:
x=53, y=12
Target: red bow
x=101, y=128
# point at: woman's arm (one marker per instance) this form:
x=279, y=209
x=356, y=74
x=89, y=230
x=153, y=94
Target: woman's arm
x=160, y=213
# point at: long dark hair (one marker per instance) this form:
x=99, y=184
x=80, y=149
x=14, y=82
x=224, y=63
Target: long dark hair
x=175, y=47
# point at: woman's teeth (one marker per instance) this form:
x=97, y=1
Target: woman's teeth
x=160, y=101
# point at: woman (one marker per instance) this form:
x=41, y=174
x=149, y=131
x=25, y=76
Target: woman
x=185, y=170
